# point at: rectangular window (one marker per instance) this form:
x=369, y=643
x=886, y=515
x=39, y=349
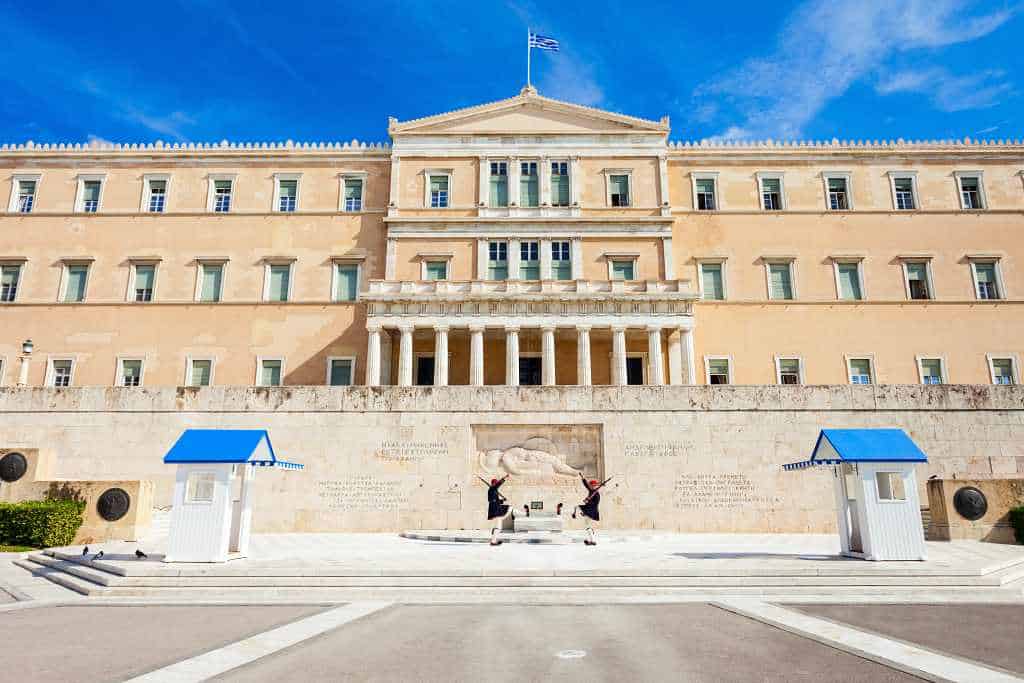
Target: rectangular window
x=903, y=190
x=529, y=260
x=341, y=372
x=931, y=370
x=705, y=188
x=437, y=270
x=279, y=276
x=712, y=281
x=890, y=486
x=560, y=183
x=771, y=194
x=789, y=371
x=718, y=371
x=287, y=195
x=848, y=276
x=91, y=196
x=145, y=278
x=623, y=269
x=838, y=194
x=986, y=283
x=200, y=372
x=498, y=196
x=529, y=184
x=130, y=374
x=157, y=196
x=1002, y=371
x=497, y=260
x=438, y=191
x=970, y=192
x=346, y=281
x=10, y=276
x=222, y=196
x=199, y=487
x=918, y=286
x=618, y=189
x=61, y=373
x=353, y=194
x=270, y=373
x=859, y=370
x=780, y=281
x=77, y=278
x=211, y=278
x=561, y=261
x=26, y=196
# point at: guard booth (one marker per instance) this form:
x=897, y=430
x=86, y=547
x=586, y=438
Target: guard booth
x=877, y=503
x=212, y=513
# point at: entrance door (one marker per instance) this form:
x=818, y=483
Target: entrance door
x=425, y=371
x=852, y=519
x=634, y=370
x=529, y=371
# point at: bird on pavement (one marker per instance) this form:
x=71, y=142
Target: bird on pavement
x=85, y=551
x=139, y=555
x=98, y=556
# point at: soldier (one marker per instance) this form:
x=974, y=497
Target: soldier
x=589, y=507
x=496, y=506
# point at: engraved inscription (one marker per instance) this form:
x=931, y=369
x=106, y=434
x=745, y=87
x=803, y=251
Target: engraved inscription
x=410, y=451
x=362, y=493
x=716, y=492
x=654, y=449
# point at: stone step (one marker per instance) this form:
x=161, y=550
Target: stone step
x=82, y=570
x=62, y=578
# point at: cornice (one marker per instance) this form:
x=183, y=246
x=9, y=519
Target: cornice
x=224, y=148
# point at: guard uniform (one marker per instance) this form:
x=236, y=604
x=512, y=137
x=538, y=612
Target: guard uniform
x=590, y=507
x=495, y=507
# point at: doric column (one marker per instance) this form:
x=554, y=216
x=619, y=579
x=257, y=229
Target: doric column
x=440, y=355
x=547, y=347
x=476, y=356
x=655, y=373
x=668, y=258
x=619, y=356
x=391, y=259
x=689, y=365
x=513, y=181
x=405, y=357
x=544, y=173
x=675, y=359
x=373, y=357
x=512, y=356
x=583, y=377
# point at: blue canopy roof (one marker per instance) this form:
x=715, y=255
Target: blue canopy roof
x=225, y=446
x=836, y=446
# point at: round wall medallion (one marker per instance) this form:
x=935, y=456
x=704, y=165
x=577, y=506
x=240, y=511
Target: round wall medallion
x=970, y=503
x=113, y=504
x=13, y=467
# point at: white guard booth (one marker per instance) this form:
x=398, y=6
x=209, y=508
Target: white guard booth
x=212, y=512
x=876, y=491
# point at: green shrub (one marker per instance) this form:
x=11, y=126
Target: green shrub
x=40, y=523
x=1017, y=522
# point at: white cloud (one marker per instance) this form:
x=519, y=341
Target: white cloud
x=949, y=93
x=564, y=78
x=826, y=46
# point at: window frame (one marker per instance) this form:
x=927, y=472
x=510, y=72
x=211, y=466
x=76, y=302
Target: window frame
x=788, y=261
x=278, y=177
x=705, y=175
x=21, y=264
x=943, y=369
x=425, y=267
x=489, y=201
x=81, y=180
x=16, y=180
x=51, y=370
x=352, y=376
x=211, y=191
x=189, y=359
x=551, y=248
x=982, y=198
x=336, y=264
x=845, y=176
x=268, y=265
x=608, y=173
x=119, y=371
x=190, y=489
x=1014, y=367
x=903, y=485
x=538, y=164
x=722, y=263
x=521, y=262
x=362, y=177
x=799, y=369
x=259, y=370
x=200, y=262
x=772, y=175
x=872, y=370
x=568, y=177
x=429, y=173
x=707, y=370
x=133, y=265
x=929, y=282
x=633, y=259
x=845, y=261
x=973, y=262
x=147, y=178
x=65, y=276
x=916, y=196
x=507, y=261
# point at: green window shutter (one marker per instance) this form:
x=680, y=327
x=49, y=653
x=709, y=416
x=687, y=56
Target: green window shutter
x=781, y=281
x=619, y=188
x=528, y=194
x=718, y=366
x=10, y=276
x=77, y=276
x=931, y=371
x=131, y=371
x=559, y=190
x=341, y=372
x=711, y=279
x=91, y=191
x=986, y=272
x=289, y=188
x=270, y=373
x=144, y=277
x=201, y=371
x=438, y=183
x=353, y=188
x=622, y=270
x=849, y=281
x=278, y=286
x=437, y=270
x=346, y=284
x=211, y=285
x=499, y=190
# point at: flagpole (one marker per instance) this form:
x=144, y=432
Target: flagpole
x=527, y=56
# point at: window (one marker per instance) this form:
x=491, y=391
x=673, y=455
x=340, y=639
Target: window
x=890, y=486
x=200, y=487
x=623, y=269
x=986, y=279
x=278, y=283
x=904, y=191
x=618, y=190
x=529, y=184
x=930, y=370
x=918, y=279
x=129, y=372
x=712, y=281
x=339, y=371
x=436, y=270
x=60, y=372
x=560, y=190
x=438, y=191
x=498, y=184
x=346, y=281
x=154, y=193
x=972, y=193
x=497, y=260
x=859, y=370
x=529, y=260
x=780, y=280
x=222, y=195
x=269, y=374
x=145, y=280
x=1003, y=369
x=848, y=284
x=76, y=278
x=718, y=371
x=23, y=194
x=287, y=194
x=10, y=276
x=705, y=196
x=199, y=372
x=788, y=371
x=561, y=261
x=211, y=282
x=837, y=188
x=91, y=196
x=353, y=194
x=771, y=192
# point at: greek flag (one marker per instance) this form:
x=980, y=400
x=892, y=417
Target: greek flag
x=543, y=42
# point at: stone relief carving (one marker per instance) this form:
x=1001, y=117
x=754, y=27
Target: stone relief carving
x=545, y=455
x=537, y=456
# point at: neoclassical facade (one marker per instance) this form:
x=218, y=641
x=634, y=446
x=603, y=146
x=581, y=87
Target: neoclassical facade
x=527, y=241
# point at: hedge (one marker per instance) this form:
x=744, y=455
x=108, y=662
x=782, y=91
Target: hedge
x=40, y=523
x=1017, y=522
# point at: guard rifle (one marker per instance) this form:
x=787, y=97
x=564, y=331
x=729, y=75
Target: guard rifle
x=596, y=488
x=501, y=498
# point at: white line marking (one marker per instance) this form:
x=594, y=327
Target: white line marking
x=899, y=655
x=237, y=654
x=571, y=654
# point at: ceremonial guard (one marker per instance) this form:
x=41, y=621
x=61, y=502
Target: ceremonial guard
x=496, y=506
x=589, y=508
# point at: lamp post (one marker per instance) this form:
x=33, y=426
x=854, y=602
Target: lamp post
x=26, y=354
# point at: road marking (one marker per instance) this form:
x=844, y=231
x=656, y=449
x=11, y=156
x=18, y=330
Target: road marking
x=899, y=655
x=238, y=654
x=571, y=654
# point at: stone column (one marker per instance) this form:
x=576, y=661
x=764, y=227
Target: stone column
x=655, y=373
x=513, y=181
x=391, y=260
x=675, y=359
x=482, y=256
x=583, y=373
x=545, y=259
x=373, y=357
x=547, y=336
x=440, y=355
x=576, y=253
x=512, y=356
x=619, y=356
x=476, y=356
x=689, y=364
x=668, y=258
x=484, y=177
x=405, y=357
x=513, y=259
x=23, y=372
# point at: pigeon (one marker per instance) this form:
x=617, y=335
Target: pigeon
x=139, y=555
x=98, y=556
x=85, y=551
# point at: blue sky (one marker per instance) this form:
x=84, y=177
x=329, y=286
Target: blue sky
x=257, y=71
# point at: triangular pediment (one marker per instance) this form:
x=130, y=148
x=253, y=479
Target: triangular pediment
x=528, y=114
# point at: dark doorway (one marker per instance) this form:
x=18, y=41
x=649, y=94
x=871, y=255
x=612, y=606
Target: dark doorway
x=425, y=371
x=529, y=371
x=634, y=370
